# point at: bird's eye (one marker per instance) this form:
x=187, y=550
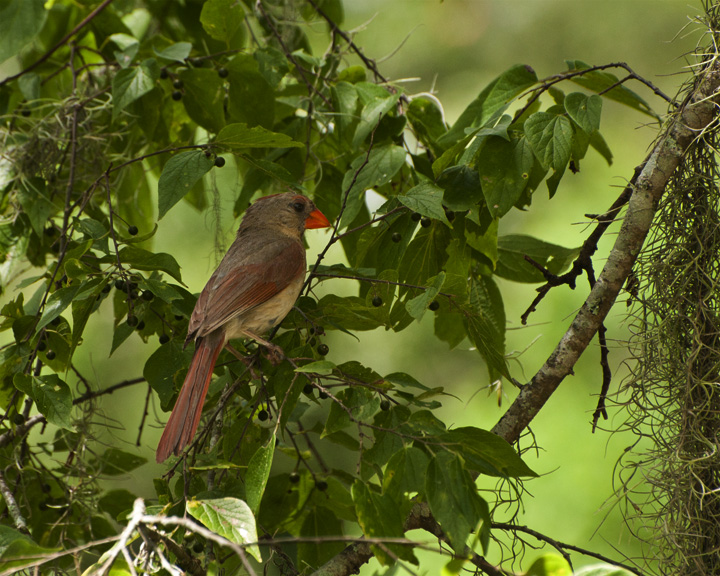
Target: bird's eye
x=298, y=206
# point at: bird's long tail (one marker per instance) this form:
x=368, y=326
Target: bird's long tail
x=185, y=416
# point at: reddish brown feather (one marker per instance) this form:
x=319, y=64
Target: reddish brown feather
x=185, y=417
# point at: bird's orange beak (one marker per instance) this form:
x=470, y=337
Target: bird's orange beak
x=316, y=219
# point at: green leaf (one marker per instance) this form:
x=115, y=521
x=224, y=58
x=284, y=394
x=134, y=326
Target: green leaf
x=504, y=168
x=417, y=306
x=427, y=199
x=512, y=265
x=240, y=137
x=56, y=304
x=379, y=517
x=221, y=19
x=382, y=164
x=356, y=405
x=160, y=370
x=231, y=518
x=16, y=549
x=52, y=397
x=251, y=99
x=600, y=81
x=177, y=52
x=31, y=193
x=130, y=84
x=371, y=114
x=258, y=473
x=319, y=367
x=556, y=565
x=485, y=324
x=550, y=137
x=203, y=98
x=598, y=142
x=491, y=102
x=405, y=473
x=320, y=522
x=584, y=110
x=144, y=260
x=115, y=462
x=425, y=255
x=20, y=22
x=462, y=187
x=485, y=452
x=427, y=121
x=178, y=177
x=454, y=500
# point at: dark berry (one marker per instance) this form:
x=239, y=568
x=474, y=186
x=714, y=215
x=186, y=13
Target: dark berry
x=223, y=72
x=262, y=415
x=294, y=477
x=133, y=294
x=45, y=488
x=434, y=305
x=26, y=112
x=415, y=217
x=219, y=162
x=50, y=231
x=377, y=301
x=179, y=316
x=323, y=395
x=308, y=389
x=132, y=230
x=106, y=288
x=140, y=326
x=164, y=74
x=198, y=547
x=50, y=355
x=56, y=321
x=425, y=222
x=385, y=405
x=176, y=95
x=450, y=215
x=42, y=346
x=323, y=349
x=178, y=84
x=197, y=62
x=321, y=485
x=121, y=285
x=164, y=338
x=147, y=295
x=18, y=419
x=396, y=237
x=132, y=320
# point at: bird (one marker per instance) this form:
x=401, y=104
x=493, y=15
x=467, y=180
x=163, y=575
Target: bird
x=254, y=287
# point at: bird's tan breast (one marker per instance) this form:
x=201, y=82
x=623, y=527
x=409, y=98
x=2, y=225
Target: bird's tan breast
x=265, y=316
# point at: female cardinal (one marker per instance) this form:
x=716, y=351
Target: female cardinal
x=252, y=290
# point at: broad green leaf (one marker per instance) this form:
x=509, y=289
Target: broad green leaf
x=203, y=98
x=231, y=518
x=240, y=137
x=221, y=19
x=258, y=473
x=379, y=516
x=417, y=306
x=130, y=84
x=512, y=264
x=454, y=500
x=550, y=137
x=482, y=322
x=141, y=259
x=177, y=52
x=251, y=99
x=31, y=193
x=426, y=119
x=56, y=304
x=160, y=370
x=593, y=570
x=584, y=110
x=382, y=164
x=320, y=522
x=371, y=115
x=405, y=473
x=556, y=565
x=116, y=501
x=504, y=168
x=358, y=405
x=115, y=462
x=345, y=98
x=598, y=142
x=427, y=199
x=319, y=367
x=17, y=549
x=52, y=397
x=485, y=452
x=491, y=101
x=462, y=187
x=600, y=81
x=20, y=22
x=178, y=177
x=425, y=255
x=386, y=441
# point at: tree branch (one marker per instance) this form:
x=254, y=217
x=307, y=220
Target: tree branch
x=694, y=116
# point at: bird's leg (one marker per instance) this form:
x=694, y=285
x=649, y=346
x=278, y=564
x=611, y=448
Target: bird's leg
x=247, y=360
x=275, y=353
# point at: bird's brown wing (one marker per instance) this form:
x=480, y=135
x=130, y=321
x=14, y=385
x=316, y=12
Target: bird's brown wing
x=248, y=275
